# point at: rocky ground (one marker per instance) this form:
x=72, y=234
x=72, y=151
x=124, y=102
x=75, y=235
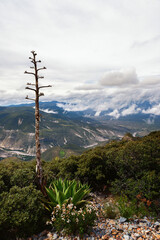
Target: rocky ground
x=112, y=229
x=109, y=229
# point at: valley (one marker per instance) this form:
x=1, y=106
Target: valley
x=60, y=129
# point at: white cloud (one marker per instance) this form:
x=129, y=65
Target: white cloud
x=72, y=107
x=131, y=110
x=48, y=111
x=150, y=80
x=79, y=41
x=150, y=120
x=88, y=87
x=119, y=78
x=120, y=102
x=97, y=114
x=154, y=110
x=115, y=114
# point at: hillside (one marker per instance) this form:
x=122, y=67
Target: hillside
x=61, y=152
x=128, y=169
x=64, y=129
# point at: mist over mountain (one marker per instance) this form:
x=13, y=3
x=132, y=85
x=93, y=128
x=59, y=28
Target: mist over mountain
x=61, y=127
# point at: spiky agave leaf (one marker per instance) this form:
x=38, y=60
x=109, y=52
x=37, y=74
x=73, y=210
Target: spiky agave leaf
x=80, y=194
x=63, y=191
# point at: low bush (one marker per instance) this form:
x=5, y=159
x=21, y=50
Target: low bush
x=110, y=210
x=126, y=208
x=72, y=220
x=22, y=213
x=137, y=207
x=68, y=202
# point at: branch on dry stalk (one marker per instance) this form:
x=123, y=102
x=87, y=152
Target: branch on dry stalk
x=30, y=89
x=45, y=86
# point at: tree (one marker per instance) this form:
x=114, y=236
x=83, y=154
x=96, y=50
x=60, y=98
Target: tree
x=36, y=88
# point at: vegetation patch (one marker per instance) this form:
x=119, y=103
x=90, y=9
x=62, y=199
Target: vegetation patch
x=129, y=169
x=62, y=153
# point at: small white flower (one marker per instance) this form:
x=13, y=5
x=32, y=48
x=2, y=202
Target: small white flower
x=70, y=206
x=48, y=222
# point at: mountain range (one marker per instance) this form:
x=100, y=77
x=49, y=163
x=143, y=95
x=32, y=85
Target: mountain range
x=69, y=132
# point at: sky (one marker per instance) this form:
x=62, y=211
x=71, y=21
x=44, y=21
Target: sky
x=98, y=53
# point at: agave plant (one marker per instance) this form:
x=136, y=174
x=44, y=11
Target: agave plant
x=64, y=191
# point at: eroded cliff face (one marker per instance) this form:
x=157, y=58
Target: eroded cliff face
x=15, y=139
x=17, y=136
x=16, y=142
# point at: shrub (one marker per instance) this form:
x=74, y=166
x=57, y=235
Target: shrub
x=138, y=207
x=91, y=167
x=110, y=210
x=72, y=220
x=127, y=209
x=16, y=172
x=21, y=212
x=23, y=177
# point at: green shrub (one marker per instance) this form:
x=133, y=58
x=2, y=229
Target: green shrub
x=92, y=168
x=72, y=220
x=137, y=207
x=22, y=213
x=147, y=186
x=110, y=210
x=127, y=209
x=23, y=177
x=16, y=172
x=66, y=167
x=62, y=153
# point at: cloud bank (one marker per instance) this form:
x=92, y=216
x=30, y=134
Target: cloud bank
x=120, y=78
x=99, y=54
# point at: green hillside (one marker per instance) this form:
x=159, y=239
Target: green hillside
x=61, y=152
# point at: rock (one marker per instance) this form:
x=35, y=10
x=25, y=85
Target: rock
x=157, y=223
x=105, y=237
x=49, y=235
x=157, y=236
x=112, y=222
x=122, y=219
x=157, y=227
x=114, y=232
x=109, y=229
x=55, y=236
x=126, y=237
x=137, y=235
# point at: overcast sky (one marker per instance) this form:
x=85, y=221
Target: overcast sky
x=94, y=50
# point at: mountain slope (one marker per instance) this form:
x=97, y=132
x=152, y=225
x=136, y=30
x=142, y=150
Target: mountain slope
x=62, y=128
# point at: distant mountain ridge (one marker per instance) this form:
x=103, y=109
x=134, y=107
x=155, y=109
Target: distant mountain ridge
x=59, y=127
